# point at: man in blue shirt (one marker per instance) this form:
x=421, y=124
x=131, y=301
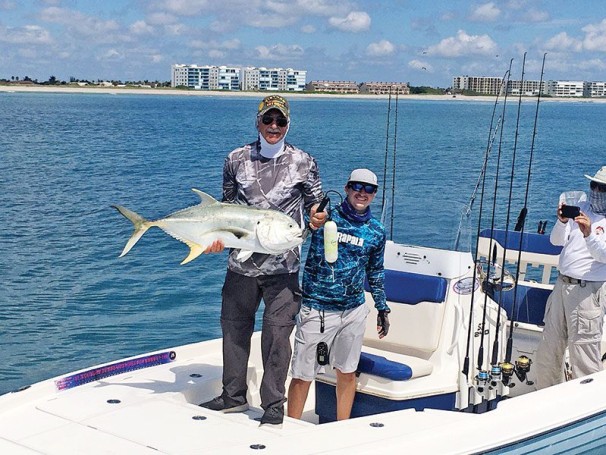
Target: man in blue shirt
x=332, y=319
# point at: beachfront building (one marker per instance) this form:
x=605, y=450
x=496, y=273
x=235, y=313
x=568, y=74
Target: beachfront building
x=333, y=87
x=527, y=88
x=277, y=79
x=486, y=85
x=385, y=88
x=594, y=89
x=565, y=88
x=205, y=77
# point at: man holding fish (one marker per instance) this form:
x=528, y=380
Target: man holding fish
x=269, y=174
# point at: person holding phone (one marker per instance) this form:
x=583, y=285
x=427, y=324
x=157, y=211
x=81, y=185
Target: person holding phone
x=575, y=308
x=332, y=319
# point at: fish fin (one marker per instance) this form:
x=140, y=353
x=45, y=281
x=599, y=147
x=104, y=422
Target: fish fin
x=243, y=255
x=140, y=223
x=195, y=250
x=207, y=199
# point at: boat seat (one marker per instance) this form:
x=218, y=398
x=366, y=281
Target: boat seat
x=417, y=309
x=530, y=303
x=417, y=304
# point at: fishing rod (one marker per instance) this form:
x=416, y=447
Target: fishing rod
x=466, y=212
x=523, y=215
x=383, y=202
x=495, y=346
x=492, y=252
x=393, y=169
x=491, y=138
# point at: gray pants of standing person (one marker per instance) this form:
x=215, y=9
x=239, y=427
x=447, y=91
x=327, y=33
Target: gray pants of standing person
x=574, y=319
x=241, y=298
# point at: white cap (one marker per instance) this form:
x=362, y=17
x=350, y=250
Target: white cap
x=363, y=176
x=599, y=177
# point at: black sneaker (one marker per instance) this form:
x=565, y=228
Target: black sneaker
x=273, y=416
x=226, y=406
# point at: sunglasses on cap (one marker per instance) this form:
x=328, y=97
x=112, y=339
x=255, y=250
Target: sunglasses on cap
x=357, y=186
x=280, y=120
x=601, y=187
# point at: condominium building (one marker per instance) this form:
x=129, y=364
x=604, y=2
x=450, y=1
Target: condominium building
x=333, y=86
x=206, y=77
x=288, y=79
x=526, y=88
x=480, y=84
x=385, y=88
x=594, y=89
x=565, y=88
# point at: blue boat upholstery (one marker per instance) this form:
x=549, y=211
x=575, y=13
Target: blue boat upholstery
x=529, y=301
x=417, y=311
x=380, y=366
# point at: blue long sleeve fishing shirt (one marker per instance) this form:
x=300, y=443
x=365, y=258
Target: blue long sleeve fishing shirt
x=340, y=286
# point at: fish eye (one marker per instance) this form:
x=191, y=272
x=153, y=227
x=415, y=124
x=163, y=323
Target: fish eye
x=258, y=222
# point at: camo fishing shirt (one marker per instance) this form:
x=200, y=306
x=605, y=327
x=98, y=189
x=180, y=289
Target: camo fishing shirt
x=289, y=183
x=340, y=286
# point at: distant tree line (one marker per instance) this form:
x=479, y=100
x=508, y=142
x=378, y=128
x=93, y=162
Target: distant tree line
x=52, y=80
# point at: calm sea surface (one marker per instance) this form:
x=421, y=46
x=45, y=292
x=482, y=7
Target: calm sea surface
x=67, y=301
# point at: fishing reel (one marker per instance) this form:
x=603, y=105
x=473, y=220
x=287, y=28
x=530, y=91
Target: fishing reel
x=520, y=368
x=482, y=380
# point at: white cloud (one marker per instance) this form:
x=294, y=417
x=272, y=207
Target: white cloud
x=7, y=5
x=279, y=51
x=464, y=44
x=563, y=42
x=28, y=34
x=356, y=21
x=535, y=15
x=595, y=37
x=380, y=49
x=79, y=23
x=308, y=29
x=141, y=28
x=488, y=12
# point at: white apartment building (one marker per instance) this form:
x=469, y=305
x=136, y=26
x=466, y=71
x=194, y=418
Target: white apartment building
x=565, y=88
x=594, y=89
x=205, y=77
x=480, y=84
x=278, y=79
x=527, y=88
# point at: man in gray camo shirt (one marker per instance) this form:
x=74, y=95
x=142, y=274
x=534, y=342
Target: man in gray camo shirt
x=270, y=174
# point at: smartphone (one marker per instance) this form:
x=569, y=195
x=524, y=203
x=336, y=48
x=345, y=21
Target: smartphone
x=570, y=211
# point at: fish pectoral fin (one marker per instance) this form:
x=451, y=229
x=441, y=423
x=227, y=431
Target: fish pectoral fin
x=195, y=250
x=244, y=255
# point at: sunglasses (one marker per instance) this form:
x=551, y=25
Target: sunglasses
x=280, y=120
x=357, y=186
x=601, y=187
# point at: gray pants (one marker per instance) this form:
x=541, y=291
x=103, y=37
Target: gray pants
x=574, y=319
x=241, y=299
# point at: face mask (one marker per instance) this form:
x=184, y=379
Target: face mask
x=597, y=202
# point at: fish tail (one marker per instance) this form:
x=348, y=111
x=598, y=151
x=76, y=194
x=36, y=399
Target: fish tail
x=140, y=223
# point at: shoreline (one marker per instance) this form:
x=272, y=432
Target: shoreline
x=175, y=92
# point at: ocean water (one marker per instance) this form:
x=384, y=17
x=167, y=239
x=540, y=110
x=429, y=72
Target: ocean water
x=67, y=301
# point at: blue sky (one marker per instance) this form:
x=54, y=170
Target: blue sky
x=424, y=42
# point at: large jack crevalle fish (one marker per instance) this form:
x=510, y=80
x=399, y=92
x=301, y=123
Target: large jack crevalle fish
x=250, y=229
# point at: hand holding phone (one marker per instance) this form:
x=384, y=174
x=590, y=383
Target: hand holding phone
x=570, y=211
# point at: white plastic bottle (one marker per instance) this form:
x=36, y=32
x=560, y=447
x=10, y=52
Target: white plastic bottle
x=331, y=246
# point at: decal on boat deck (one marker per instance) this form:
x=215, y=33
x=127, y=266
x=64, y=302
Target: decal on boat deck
x=464, y=286
x=114, y=369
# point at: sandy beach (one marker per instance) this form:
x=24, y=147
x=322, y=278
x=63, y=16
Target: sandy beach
x=176, y=92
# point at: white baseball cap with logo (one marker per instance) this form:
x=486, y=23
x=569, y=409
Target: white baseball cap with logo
x=363, y=176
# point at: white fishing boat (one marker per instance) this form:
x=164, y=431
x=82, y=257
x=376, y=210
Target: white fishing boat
x=412, y=393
